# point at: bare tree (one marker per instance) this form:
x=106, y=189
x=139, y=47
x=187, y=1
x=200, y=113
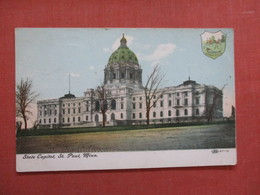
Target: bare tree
x=152, y=90
x=102, y=104
x=24, y=97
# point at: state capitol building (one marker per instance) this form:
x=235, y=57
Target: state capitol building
x=186, y=102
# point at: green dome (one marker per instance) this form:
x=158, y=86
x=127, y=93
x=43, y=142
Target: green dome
x=123, y=54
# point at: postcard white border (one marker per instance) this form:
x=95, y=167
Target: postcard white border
x=126, y=160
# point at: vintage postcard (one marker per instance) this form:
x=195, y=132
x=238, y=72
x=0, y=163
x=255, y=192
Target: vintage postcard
x=124, y=98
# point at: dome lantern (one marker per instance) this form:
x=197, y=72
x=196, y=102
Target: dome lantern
x=123, y=41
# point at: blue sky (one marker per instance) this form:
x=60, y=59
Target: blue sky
x=48, y=55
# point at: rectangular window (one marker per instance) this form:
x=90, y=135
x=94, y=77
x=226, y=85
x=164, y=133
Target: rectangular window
x=186, y=102
x=74, y=110
x=79, y=118
x=63, y=111
x=161, y=103
x=178, y=102
x=55, y=112
x=122, y=75
x=87, y=109
x=140, y=98
x=133, y=98
x=68, y=111
x=197, y=100
x=122, y=106
x=170, y=95
x=178, y=93
x=170, y=103
x=140, y=105
x=49, y=120
x=185, y=93
x=54, y=120
x=133, y=105
x=154, y=104
x=79, y=110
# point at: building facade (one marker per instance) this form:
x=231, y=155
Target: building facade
x=126, y=101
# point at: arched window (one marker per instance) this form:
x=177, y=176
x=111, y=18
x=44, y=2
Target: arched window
x=97, y=105
x=112, y=116
x=154, y=114
x=161, y=114
x=197, y=111
x=96, y=118
x=113, y=104
x=133, y=115
x=185, y=112
x=169, y=113
x=177, y=112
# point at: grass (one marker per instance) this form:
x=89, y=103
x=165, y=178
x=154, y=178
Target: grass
x=162, y=138
x=61, y=131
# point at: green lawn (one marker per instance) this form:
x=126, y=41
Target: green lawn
x=167, y=138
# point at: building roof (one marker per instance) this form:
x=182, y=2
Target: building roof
x=68, y=96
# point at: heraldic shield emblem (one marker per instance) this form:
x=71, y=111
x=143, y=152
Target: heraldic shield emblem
x=213, y=44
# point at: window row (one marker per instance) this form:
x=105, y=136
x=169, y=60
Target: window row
x=71, y=111
x=112, y=117
x=48, y=113
x=100, y=105
x=71, y=104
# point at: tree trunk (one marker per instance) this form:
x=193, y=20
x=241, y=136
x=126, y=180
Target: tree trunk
x=147, y=116
x=25, y=122
x=104, y=120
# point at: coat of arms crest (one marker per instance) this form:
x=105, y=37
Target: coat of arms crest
x=213, y=44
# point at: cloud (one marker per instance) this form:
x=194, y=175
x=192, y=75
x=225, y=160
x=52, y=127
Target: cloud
x=74, y=74
x=107, y=50
x=116, y=44
x=160, y=52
